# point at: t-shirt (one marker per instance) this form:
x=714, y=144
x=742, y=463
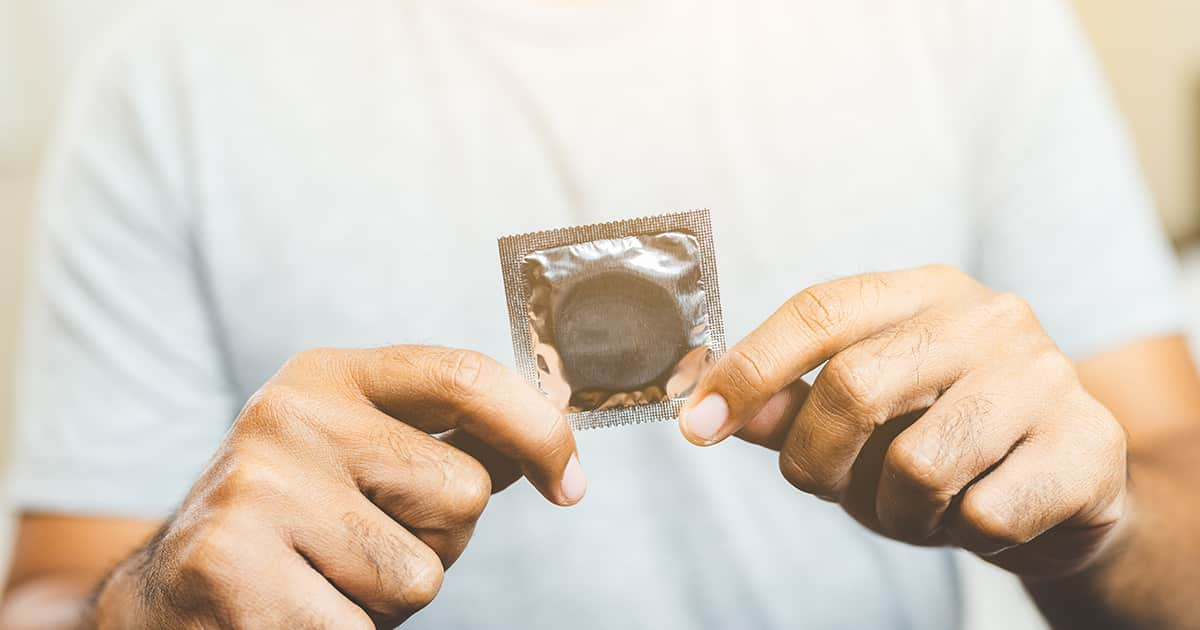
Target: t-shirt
x=238, y=180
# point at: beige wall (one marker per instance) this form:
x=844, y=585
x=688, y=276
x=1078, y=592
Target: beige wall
x=1151, y=49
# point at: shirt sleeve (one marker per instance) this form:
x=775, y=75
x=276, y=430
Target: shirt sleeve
x=121, y=391
x=1065, y=219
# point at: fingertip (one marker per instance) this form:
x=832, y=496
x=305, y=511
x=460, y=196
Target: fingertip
x=574, y=482
x=704, y=424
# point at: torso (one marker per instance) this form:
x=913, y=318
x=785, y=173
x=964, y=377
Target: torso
x=377, y=150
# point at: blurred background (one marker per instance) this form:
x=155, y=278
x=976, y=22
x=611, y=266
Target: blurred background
x=1151, y=50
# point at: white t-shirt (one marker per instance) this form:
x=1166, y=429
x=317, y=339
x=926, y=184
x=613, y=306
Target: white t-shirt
x=240, y=179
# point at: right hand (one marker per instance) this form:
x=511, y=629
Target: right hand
x=330, y=505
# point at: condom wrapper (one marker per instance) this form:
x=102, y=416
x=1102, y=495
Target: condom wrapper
x=616, y=322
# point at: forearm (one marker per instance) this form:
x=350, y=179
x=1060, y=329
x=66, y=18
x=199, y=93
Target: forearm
x=82, y=600
x=1149, y=576
x=58, y=564
x=56, y=601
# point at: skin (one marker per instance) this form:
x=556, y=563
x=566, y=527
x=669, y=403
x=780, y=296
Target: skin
x=1019, y=456
x=947, y=416
x=329, y=504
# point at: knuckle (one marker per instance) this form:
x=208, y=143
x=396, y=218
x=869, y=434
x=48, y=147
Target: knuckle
x=798, y=474
x=459, y=487
x=966, y=416
x=201, y=552
x=910, y=340
x=959, y=433
x=908, y=461
x=424, y=580
x=853, y=383
x=273, y=409
x=1109, y=434
x=250, y=477
x=462, y=372
x=746, y=369
x=991, y=520
x=1010, y=308
x=312, y=359
x=468, y=490
x=266, y=403
x=405, y=451
x=556, y=442
x=407, y=575
x=818, y=309
x=1115, y=435
x=220, y=545
x=1053, y=365
x=949, y=272
x=241, y=478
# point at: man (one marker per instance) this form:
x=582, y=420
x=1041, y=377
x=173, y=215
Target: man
x=241, y=182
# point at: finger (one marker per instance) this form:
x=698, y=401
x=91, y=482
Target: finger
x=808, y=329
x=434, y=489
x=969, y=430
x=242, y=575
x=439, y=389
x=1059, y=551
x=311, y=601
x=769, y=427
x=897, y=372
x=1053, y=478
x=381, y=566
x=858, y=499
x=502, y=470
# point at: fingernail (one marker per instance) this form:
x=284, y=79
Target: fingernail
x=574, y=483
x=705, y=420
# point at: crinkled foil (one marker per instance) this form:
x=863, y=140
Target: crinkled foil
x=616, y=322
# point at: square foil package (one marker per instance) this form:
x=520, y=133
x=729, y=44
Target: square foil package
x=616, y=322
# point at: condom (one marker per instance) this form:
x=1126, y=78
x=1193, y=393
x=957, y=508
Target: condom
x=616, y=323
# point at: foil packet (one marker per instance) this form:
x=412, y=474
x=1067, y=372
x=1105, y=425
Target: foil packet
x=616, y=322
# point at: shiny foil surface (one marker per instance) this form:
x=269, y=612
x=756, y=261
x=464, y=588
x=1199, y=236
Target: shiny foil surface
x=615, y=322
x=618, y=322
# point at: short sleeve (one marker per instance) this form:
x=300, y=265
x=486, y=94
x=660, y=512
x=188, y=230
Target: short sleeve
x=121, y=391
x=1065, y=219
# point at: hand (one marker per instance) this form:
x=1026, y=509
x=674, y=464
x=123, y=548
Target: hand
x=331, y=505
x=945, y=415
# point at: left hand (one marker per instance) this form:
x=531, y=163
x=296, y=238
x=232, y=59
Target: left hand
x=945, y=415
